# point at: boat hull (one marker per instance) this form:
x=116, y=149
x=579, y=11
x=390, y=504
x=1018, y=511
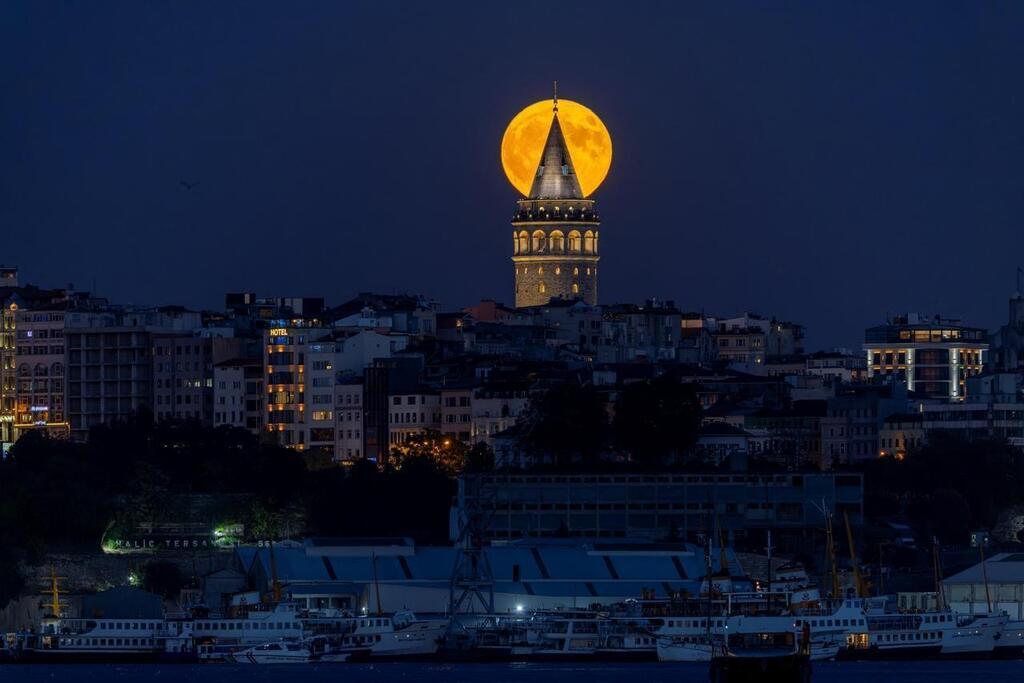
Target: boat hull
x=787, y=669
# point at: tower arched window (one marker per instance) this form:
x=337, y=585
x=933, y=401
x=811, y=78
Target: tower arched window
x=538, y=241
x=574, y=242
x=541, y=288
x=524, y=242
x=540, y=270
x=556, y=241
x=558, y=270
x=588, y=242
x=575, y=270
x=575, y=288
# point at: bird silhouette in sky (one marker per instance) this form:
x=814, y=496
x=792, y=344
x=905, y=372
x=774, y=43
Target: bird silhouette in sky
x=187, y=185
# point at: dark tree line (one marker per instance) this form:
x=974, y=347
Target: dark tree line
x=651, y=424
x=61, y=495
x=948, y=487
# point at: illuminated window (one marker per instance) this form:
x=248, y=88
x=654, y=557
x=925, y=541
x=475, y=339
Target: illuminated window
x=541, y=288
x=540, y=270
x=538, y=241
x=588, y=242
x=575, y=288
x=557, y=241
x=574, y=242
x=558, y=270
x=575, y=271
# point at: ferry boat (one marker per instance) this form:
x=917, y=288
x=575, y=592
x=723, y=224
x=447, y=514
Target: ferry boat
x=399, y=636
x=831, y=626
x=687, y=648
x=925, y=635
x=619, y=632
x=195, y=635
x=1011, y=641
x=95, y=640
x=763, y=656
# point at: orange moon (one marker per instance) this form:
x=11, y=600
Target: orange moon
x=590, y=144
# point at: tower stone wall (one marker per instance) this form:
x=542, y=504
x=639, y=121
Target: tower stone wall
x=555, y=251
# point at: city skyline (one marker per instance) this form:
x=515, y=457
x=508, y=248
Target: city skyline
x=764, y=161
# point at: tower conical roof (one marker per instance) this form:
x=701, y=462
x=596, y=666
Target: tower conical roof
x=556, y=178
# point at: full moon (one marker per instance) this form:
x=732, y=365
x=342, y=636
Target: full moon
x=590, y=145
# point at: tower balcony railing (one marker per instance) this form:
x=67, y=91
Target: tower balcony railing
x=584, y=216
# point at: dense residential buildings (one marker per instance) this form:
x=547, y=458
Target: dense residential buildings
x=934, y=356
x=360, y=379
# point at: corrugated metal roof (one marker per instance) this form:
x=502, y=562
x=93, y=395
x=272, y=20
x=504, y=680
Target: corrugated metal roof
x=1001, y=568
x=537, y=564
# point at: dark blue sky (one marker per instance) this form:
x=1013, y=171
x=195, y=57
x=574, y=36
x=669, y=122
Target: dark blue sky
x=826, y=162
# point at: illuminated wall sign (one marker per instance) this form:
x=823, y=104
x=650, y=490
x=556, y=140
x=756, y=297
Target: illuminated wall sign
x=39, y=409
x=279, y=332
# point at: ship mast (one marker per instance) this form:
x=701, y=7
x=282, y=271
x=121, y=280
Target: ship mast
x=275, y=583
x=857, y=581
x=830, y=545
x=56, y=605
x=984, y=570
x=376, y=583
x=937, y=569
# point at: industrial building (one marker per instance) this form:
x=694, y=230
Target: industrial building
x=656, y=506
x=525, y=575
x=966, y=591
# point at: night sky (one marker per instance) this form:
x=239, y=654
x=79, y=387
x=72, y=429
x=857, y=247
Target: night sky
x=825, y=162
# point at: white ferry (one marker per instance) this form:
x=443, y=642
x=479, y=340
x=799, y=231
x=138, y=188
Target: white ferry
x=923, y=635
x=685, y=638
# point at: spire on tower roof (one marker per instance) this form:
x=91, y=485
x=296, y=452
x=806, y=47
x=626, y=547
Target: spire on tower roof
x=556, y=177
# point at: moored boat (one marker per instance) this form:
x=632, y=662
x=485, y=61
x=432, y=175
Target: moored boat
x=277, y=652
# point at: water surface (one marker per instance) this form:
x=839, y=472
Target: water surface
x=825, y=672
